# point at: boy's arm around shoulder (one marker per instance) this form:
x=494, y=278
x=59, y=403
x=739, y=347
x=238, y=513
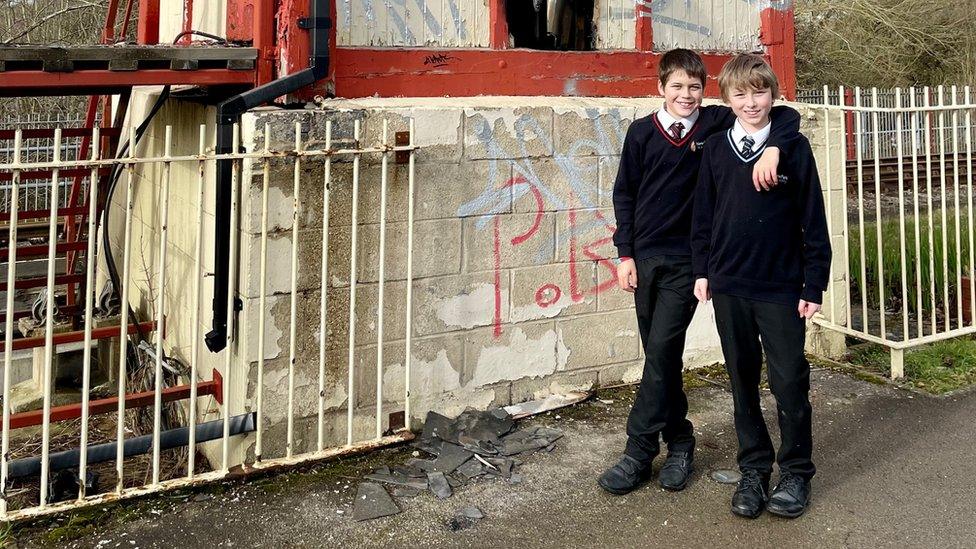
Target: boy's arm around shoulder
x=703, y=214
x=625, y=188
x=784, y=130
x=816, y=238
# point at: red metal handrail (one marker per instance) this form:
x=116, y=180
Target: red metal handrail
x=68, y=412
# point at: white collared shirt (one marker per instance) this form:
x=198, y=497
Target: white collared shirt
x=665, y=118
x=760, y=137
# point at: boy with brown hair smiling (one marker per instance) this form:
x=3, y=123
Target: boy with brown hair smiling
x=652, y=199
x=764, y=258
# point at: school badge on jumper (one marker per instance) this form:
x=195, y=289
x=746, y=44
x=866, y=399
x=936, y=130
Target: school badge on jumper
x=696, y=145
x=782, y=179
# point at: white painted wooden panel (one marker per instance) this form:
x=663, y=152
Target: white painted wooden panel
x=207, y=17
x=707, y=25
x=437, y=23
x=628, y=25
x=704, y=25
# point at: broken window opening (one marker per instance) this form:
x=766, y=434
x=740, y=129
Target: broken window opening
x=565, y=25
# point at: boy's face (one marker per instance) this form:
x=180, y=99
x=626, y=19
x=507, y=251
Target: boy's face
x=751, y=106
x=682, y=94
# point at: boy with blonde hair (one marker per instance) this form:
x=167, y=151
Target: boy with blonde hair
x=652, y=201
x=764, y=258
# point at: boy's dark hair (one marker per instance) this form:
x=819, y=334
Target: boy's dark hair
x=684, y=60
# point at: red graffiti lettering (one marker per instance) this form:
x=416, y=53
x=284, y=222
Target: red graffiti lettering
x=547, y=295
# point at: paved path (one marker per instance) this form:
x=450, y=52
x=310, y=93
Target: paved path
x=895, y=470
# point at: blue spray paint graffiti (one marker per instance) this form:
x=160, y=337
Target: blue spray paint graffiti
x=399, y=13
x=608, y=129
x=655, y=10
x=569, y=189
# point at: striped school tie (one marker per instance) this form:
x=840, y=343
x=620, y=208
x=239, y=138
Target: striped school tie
x=676, y=130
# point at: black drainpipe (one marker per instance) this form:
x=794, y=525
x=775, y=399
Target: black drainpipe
x=229, y=113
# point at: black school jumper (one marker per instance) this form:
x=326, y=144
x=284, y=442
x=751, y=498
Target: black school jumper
x=762, y=253
x=653, y=197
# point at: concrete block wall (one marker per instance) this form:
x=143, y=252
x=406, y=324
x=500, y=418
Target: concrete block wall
x=514, y=295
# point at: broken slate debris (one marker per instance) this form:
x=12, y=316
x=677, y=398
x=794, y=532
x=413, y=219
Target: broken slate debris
x=425, y=465
x=503, y=466
x=410, y=471
x=474, y=444
x=439, y=485
x=451, y=457
x=472, y=512
x=372, y=501
x=529, y=440
x=406, y=492
x=399, y=480
x=471, y=469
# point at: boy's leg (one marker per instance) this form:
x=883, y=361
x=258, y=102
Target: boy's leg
x=634, y=467
x=783, y=337
x=665, y=305
x=739, y=334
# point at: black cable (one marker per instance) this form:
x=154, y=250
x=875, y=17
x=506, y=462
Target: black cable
x=114, y=177
x=113, y=271
x=219, y=39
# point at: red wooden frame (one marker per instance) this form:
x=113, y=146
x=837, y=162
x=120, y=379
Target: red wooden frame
x=501, y=70
x=147, y=29
x=645, y=29
x=777, y=33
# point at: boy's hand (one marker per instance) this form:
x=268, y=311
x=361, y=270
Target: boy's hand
x=807, y=309
x=701, y=290
x=627, y=275
x=764, y=172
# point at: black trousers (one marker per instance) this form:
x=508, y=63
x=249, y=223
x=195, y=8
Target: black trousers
x=742, y=323
x=665, y=305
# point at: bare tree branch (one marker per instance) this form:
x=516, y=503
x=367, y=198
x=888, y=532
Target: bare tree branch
x=48, y=17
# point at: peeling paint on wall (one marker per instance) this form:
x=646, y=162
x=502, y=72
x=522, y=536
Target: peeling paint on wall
x=522, y=357
x=549, y=307
x=436, y=385
x=306, y=395
x=469, y=309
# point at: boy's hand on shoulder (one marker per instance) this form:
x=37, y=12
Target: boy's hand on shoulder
x=764, y=172
x=807, y=309
x=701, y=290
x=627, y=275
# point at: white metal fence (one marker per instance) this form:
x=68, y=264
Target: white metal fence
x=887, y=131
x=35, y=194
x=68, y=445
x=907, y=258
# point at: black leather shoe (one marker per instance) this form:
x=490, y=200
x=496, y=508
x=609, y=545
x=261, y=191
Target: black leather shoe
x=676, y=472
x=626, y=476
x=791, y=496
x=750, y=497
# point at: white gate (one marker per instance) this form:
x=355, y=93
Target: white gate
x=907, y=259
x=162, y=199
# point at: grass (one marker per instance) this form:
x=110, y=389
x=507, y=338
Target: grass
x=937, y=368
x=917, y=261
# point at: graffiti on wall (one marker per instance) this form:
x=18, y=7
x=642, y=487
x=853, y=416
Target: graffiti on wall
x=714, y=23
x=404, y=19
x=587, y=229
